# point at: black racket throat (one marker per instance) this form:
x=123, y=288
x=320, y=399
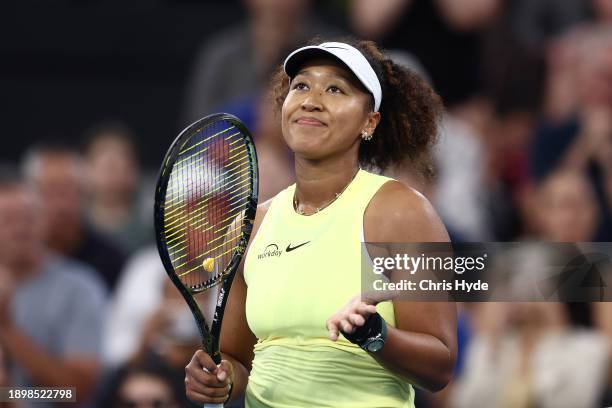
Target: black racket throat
x=205, y=204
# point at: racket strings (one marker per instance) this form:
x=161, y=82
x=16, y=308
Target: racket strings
x=200, y=224
x=201, y=167
x=204, y=223
x=207, y=194
x=169, y=191
x=200, y=142
x=177, y=219
x=221, y=238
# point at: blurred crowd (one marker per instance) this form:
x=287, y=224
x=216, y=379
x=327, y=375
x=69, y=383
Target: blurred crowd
x=524, y=153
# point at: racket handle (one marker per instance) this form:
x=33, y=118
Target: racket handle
x=211, y=405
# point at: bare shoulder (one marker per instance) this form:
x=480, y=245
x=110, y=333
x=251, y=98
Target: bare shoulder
x=262, y=209
x=265, y=205
x=398, y=213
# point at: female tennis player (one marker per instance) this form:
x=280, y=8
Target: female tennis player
x=296, y=333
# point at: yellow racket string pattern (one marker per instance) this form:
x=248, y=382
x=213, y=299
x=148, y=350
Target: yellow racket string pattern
x=210, y=250
x=179, y=240
x=197, y=168
x=199, y=143
x=176, y=218
x=194, y=169
x=173, y=234
x=199, y=161
x=176, y=257
x=208, y=190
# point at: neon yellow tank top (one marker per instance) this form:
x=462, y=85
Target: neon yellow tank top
x=299, y=271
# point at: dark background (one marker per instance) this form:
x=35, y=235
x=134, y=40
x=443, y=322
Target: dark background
x=67, y=64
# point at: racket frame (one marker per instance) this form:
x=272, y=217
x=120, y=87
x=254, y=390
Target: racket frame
x=210, y=336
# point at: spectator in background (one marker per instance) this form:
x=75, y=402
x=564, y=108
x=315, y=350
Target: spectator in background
x=155, y=328
x=376, y=19
x=440, y=33
x=602, y=10
x=567, y=211
x=459, y=193
x=51, y=309
x=148, y=320
x=170, y=335
x=536, y=22
x=56, y=173
x=233, y=67
x=139, y=293
x=142, y=387
x=567, y=208
x=490, y=78
x=455, y=34
x=542, y=354
x=532, y=354
x=577, y=131
x=112, y=169
x=149, y=323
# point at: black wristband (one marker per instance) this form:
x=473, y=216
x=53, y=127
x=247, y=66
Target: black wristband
x=371, y=328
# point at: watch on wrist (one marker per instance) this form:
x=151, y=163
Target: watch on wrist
x=375, y=343
x=371, y=336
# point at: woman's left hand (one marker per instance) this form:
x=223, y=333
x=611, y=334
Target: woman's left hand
x=350, y=316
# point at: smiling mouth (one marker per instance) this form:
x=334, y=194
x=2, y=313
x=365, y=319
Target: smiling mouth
x=310, y=122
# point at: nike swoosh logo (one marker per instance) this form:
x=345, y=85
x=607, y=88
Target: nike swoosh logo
x=289, y=248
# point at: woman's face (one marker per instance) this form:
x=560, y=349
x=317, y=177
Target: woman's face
x=325, y=111
x=568, y=208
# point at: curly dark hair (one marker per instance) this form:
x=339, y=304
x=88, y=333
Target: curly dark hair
x=410, y=112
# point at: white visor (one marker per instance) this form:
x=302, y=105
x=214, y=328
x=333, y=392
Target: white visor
x=349, y=55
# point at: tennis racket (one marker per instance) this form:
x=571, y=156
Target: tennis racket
x=205, y=204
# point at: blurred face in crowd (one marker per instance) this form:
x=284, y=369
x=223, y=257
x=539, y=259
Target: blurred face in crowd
x=595, y=74
x=468, y=15
x=146, y=391
x=275, y=25
x=603, y=9
x=567, y=208
x=288, y=8
x=21, y=234
x=372, y=19
x=58, y=179
x=112, y=168
x=325, y=110
x=534, y=314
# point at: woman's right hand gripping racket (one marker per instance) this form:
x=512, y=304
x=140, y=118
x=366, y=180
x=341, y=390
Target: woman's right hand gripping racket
x=205, y=204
